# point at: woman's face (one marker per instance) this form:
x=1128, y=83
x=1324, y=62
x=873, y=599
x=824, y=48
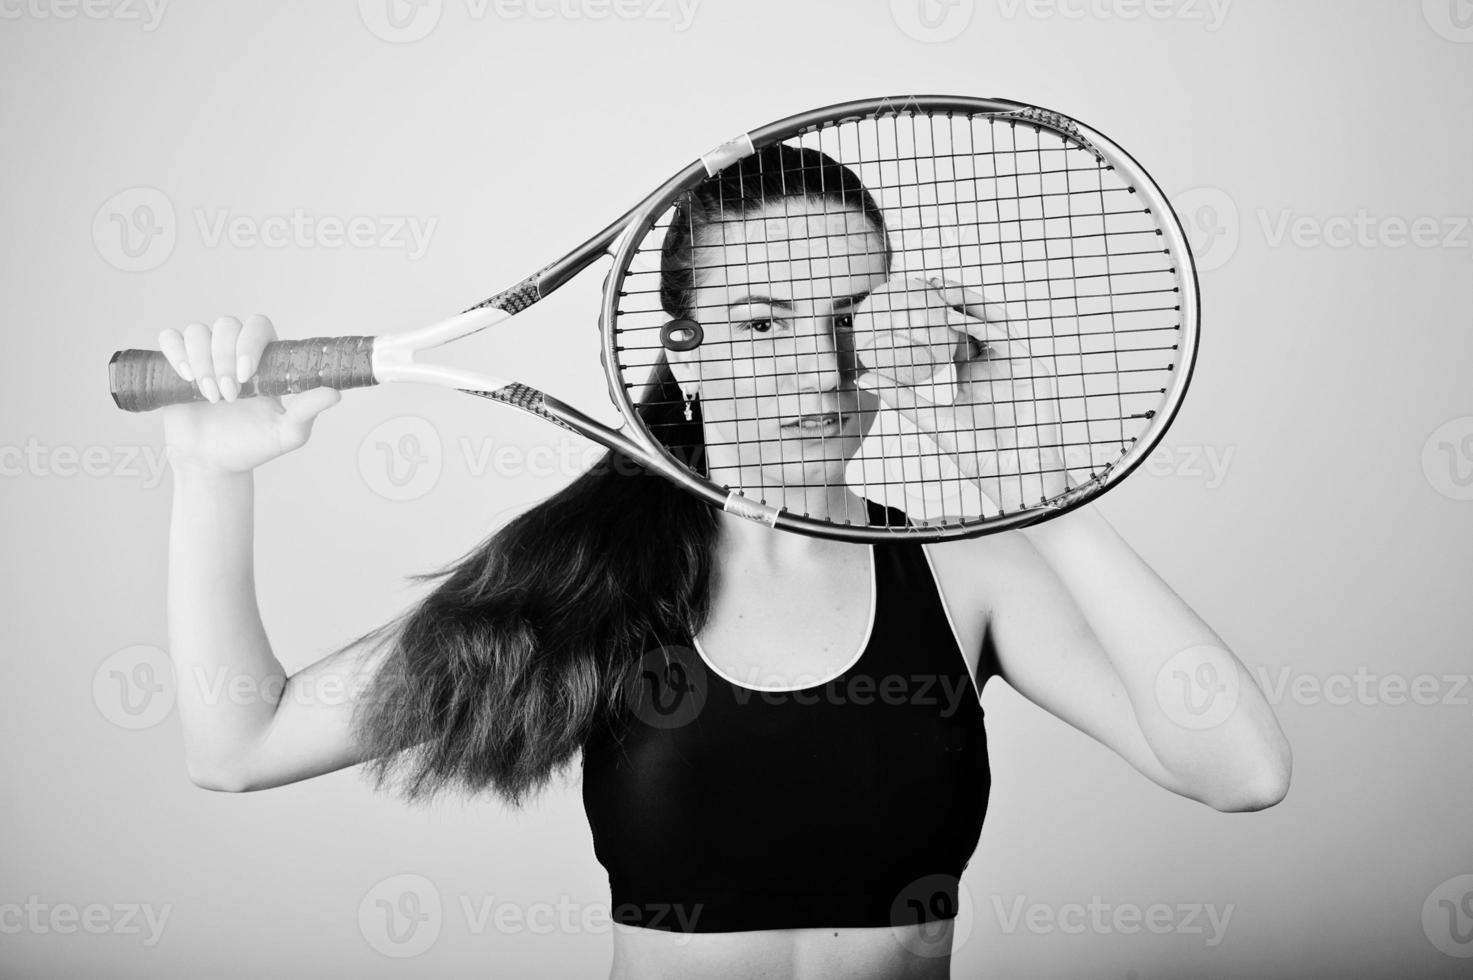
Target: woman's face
x=776, y=368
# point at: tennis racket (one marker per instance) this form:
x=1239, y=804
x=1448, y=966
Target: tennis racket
x=977, y=311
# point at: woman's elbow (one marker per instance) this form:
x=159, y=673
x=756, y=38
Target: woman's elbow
x=1267, y=787
x=217, y=778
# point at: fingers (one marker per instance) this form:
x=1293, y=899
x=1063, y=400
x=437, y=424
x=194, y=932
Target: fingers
x=171, y=345
x=257, y=333
x=987, y=320
x=303, y=408
x=222, y=355
x=201, y=360
x=957, y=295
x=1006, y=322
x=973, y=302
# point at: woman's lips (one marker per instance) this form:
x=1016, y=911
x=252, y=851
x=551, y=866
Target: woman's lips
x=815, y=423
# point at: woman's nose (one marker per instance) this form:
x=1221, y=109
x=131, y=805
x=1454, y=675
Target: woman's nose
x=825, y=356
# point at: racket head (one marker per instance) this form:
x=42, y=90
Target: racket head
x=1005, y=200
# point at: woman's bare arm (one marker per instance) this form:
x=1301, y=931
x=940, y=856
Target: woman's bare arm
x=1085, y=629
x=246, y=725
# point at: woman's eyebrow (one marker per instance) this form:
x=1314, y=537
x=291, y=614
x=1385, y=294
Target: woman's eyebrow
x=842, y=303
x=751, y=300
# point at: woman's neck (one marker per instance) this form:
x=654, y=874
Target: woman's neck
x=756, y=543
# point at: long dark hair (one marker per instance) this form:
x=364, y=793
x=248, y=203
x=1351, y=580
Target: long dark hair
x=496, y=677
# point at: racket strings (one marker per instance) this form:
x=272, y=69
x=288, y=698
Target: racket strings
x=1028, y=217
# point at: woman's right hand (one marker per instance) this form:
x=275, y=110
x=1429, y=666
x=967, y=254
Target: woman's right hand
x=226, y=433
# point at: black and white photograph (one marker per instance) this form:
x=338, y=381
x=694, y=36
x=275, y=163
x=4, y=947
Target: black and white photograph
x=735, y=489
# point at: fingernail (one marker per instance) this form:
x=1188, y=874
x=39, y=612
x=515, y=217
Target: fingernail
x=228, y=388
x=185, y=372
x=208, y=389
x=242, y=368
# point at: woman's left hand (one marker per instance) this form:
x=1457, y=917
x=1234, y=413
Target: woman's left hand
x=1002, y=427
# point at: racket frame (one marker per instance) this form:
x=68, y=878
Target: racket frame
x=643, y=218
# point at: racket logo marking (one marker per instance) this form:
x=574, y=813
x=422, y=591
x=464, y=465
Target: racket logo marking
x=727, y=153
x=752, y=510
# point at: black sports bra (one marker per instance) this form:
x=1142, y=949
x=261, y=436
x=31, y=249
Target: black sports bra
x=851, y=803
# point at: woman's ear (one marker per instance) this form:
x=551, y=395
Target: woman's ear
x=684, y=366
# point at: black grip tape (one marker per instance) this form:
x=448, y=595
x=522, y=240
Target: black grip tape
x=143, y=380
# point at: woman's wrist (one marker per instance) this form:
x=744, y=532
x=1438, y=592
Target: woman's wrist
x=190, y=472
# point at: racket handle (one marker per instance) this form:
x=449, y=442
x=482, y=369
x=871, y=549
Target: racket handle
x=143, y=380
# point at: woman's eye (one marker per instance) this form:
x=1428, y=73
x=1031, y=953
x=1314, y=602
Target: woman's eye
x=844, y=321
x=759, y=326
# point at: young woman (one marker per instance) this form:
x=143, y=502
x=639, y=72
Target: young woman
x=783, y=752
